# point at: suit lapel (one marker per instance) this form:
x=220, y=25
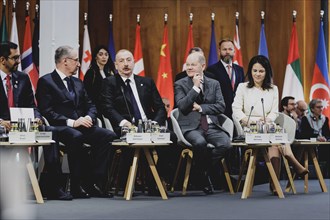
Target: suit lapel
x=17, y=87
x=139, y=87
x=58, y=81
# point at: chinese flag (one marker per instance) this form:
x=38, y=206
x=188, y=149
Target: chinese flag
x=164, y=79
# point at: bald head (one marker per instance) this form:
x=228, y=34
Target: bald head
x=195, y=64
x=301, y=108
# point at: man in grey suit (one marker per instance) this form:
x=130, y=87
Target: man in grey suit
x=199, y=100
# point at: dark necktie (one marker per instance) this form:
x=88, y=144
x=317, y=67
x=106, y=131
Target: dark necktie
x=203, y=123
x=10, y=94
x=136, y=111
x=70, y=87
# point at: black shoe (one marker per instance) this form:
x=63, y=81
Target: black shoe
x=208, y=186
x=96, y=191
x=59, y=195
x=79, y=192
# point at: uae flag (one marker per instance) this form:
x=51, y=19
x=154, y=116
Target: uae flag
x=293, y=80
x=320, y=83
x=164, y=79
x=138, y=56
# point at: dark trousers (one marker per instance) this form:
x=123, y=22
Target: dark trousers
x=100, y=140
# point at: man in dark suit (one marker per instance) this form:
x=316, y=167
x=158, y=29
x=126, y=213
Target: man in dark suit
x=200, y=101
x=127, y=97
x=227, y=73
x=17, y=92
x=63, y=101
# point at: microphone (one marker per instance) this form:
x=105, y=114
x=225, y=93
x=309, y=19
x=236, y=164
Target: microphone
x=129, y=112
x=263, y=109
x=247, y=123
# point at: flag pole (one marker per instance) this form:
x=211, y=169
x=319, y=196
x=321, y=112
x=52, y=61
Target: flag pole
x=191, y=18
x=27, y=6
x=262, y=17
x=294, y=15
x=85, y=18
x=237, y=18
x=14, y=5
x=4, y=2
x=165, y=18
x=138, y=19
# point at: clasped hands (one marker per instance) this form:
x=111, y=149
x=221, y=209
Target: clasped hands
x=244, y=121
x=84, y=122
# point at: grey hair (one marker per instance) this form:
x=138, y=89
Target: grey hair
x=313, y=102
x=61, y=52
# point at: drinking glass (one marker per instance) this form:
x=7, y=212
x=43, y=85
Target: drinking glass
x=124, y=131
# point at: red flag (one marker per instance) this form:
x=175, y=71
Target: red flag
x=190, y=44
x=164, y=79
x=320, y=84
x=138, y=56
x=27, y=59
x=238, y=55
x=87, y=55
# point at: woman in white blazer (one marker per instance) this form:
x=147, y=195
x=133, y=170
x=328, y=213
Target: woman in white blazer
x=256, y=94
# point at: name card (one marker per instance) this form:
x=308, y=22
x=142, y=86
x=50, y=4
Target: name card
x=22, y=137
x=256, y=138
x=43, y=136
x=138, y=138
x=160, y=137
x=280, y=138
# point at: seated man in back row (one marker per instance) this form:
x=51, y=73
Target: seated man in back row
x=199, y=100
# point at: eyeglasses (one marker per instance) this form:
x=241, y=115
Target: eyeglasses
x=319, y=106
x=74, y=59
x=15, y=58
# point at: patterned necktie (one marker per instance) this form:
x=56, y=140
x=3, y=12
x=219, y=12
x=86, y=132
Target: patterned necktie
x=136, y=111
x=70, y=87
x=231, y=76
x=10, y=94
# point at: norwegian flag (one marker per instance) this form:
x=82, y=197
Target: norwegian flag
x=86, y=55
x=27, y=60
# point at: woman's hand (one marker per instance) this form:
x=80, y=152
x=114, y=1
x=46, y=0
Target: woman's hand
x=321, y=139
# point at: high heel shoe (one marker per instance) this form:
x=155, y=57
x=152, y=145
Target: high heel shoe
x=300, y=170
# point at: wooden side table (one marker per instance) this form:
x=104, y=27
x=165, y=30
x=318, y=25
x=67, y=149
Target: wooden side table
x=23, y=149
x=133, y=169
x=249, y=180
x=308, y=149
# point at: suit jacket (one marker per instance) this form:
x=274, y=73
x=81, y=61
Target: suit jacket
x=23, y=95
x=56, y=103
x=220, y=74
x=114, y=105
x=212, y=103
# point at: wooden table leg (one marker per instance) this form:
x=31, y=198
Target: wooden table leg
x=155, y=173
x=132, y=175
x=318, y=170
x=273, y=175
x=248, y=177
x=254, y=167
x=306, y=166
x=34, y=181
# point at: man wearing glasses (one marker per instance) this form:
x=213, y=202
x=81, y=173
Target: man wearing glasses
x=16, y=91
x=63, y=101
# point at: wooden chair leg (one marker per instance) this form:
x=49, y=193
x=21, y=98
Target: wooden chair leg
x=243, y=168
x=225, y=169
x=187, y=173
x=288, y=171
x=177, y=170
x=113, y=168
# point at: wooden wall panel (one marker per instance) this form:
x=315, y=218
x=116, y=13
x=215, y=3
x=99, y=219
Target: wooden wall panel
x=278, y=24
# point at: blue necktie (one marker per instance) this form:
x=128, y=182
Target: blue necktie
x=136, y=111
x=70, y=87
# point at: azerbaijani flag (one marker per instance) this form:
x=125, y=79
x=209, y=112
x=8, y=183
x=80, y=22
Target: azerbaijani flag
x=320, y=83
